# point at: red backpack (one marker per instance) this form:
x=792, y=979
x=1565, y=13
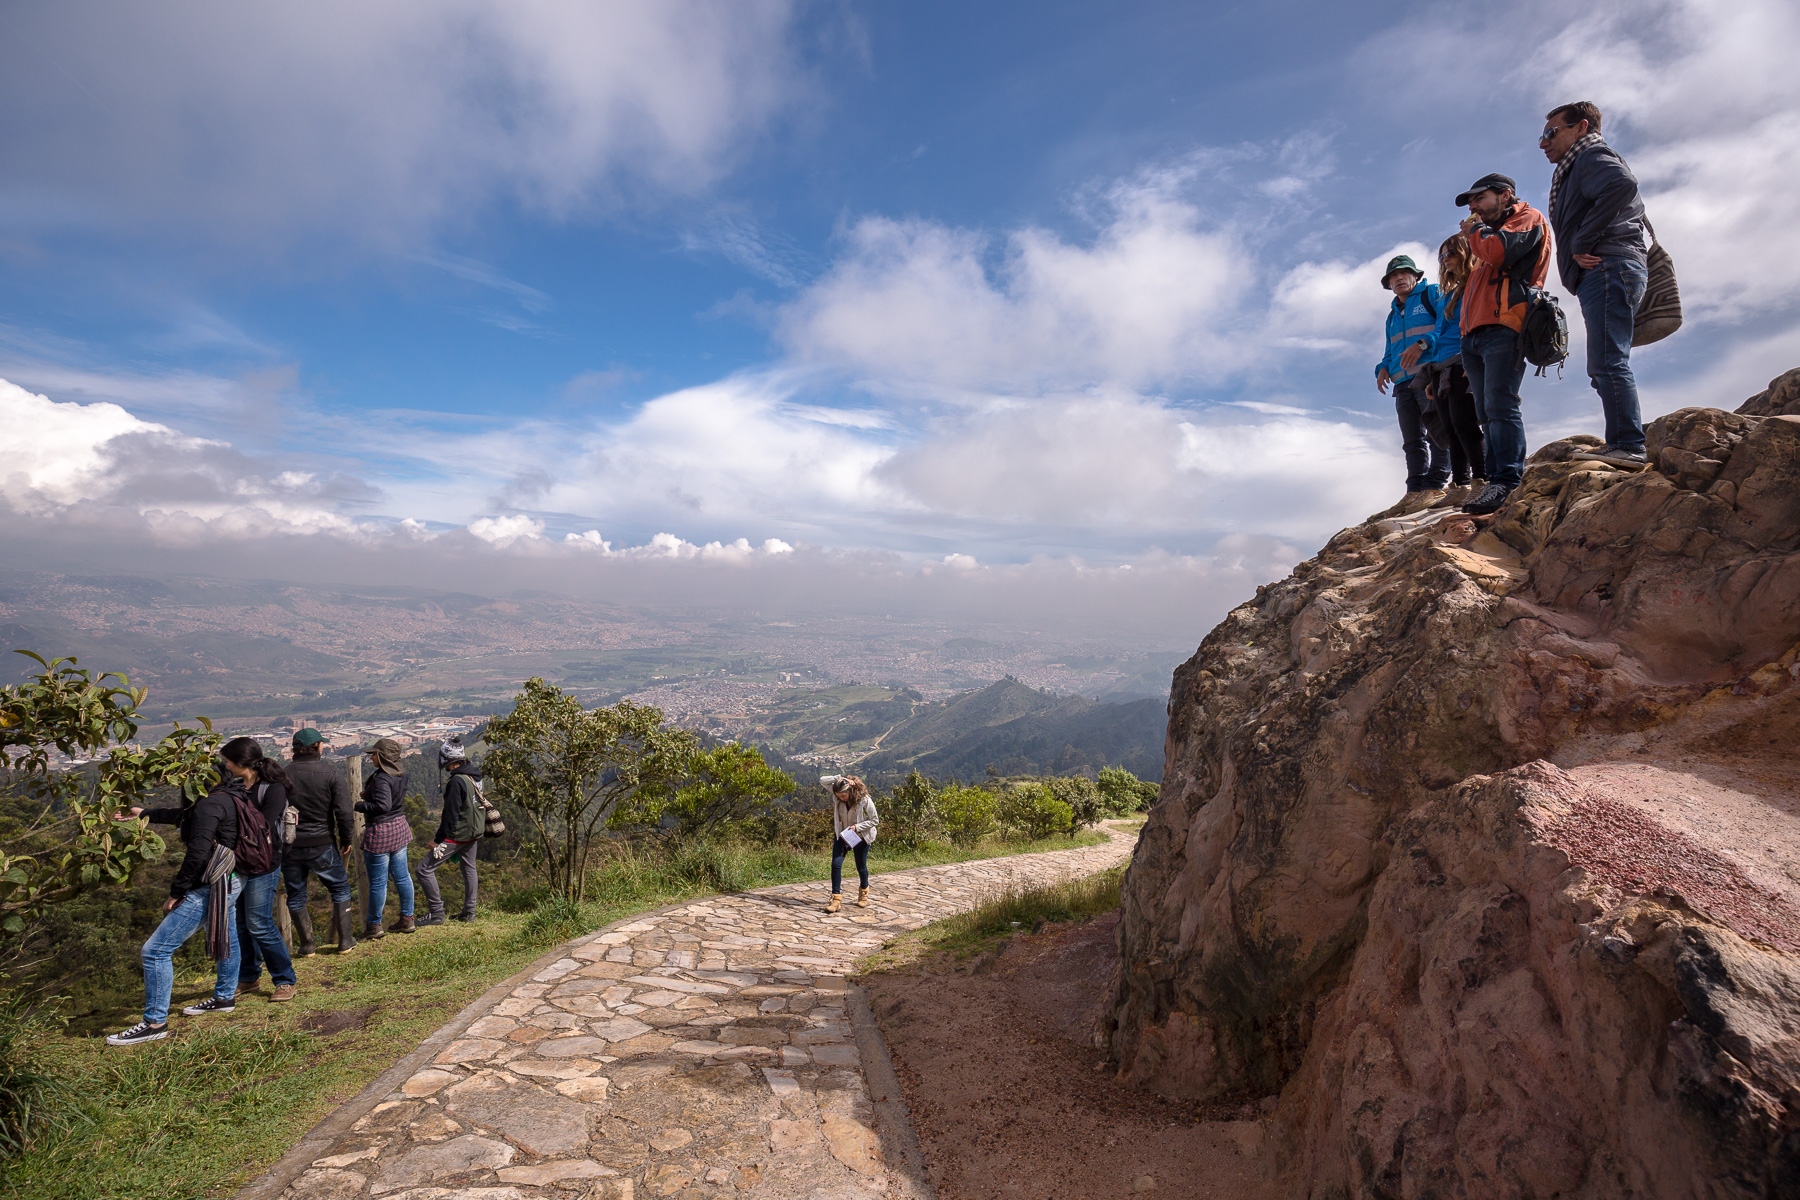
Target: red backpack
x=256, y=841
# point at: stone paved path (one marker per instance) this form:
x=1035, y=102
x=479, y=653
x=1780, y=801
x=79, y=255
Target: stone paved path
x=700, y=1053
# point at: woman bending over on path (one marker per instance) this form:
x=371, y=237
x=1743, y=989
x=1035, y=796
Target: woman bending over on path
x=853, y=820
x=386, y=835
x=204, y=892
x=259, y=942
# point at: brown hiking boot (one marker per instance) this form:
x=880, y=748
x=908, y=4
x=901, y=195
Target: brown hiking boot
x=406, y=925
x=862, y=898
x=373, y=933
x=1431, y=499
x=836, y=905
x=284, y=991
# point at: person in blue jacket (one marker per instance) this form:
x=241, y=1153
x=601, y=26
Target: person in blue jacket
x=1450, y=415
x=1412, y=335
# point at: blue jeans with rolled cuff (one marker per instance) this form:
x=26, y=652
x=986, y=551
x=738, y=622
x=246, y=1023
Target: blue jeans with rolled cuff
x=187, y=918
x=381, y=867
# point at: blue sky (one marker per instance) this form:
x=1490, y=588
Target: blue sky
x=953, y=288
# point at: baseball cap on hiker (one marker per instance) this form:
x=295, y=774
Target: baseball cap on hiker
x=1492, y=182
x=1400, y=262
x=308, y=737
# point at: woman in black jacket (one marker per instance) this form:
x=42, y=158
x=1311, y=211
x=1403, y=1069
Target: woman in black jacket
x=386, y=835
x=259, y=941
x=204, y=892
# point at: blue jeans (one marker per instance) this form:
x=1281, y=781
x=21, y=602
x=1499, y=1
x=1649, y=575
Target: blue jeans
x=159, y=952
x=379, y=867
x=258, y=939
x=1610, y=294
x=323, y=861
x=1495, y=369
x=838, y=850
x=1427, y=463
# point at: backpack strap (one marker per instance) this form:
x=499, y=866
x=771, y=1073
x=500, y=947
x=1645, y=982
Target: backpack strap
x=1425, y=299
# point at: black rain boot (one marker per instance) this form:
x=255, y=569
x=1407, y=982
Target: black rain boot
x=342, y=912
x=303, y=927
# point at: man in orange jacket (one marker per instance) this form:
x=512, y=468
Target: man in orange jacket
x=1511, y=244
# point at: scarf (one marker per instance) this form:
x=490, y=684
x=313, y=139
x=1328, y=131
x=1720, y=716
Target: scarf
x=1581, y=145
x=221, y=914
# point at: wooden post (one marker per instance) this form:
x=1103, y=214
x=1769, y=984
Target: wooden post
x=354, y=863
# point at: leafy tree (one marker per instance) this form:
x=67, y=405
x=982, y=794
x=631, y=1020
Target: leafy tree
x=967, y=813
x=727, y=785
x=58, y=832
x=1085, y=804
x=911, y=815
x=1124, y=792
x=1031, y=811
x=574, y=771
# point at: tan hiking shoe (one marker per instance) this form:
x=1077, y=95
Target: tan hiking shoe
x=1432, y=499
x=836, y=905
x=284, y=991
x=1398, y=508
x=862, y=898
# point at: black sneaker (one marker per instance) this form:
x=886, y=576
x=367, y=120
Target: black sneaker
x=430, y=919
x=465, y=917
x=214, y=1005
x=143, y=1031
x=1492, y=497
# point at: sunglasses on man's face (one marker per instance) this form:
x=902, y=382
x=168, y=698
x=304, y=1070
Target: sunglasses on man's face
x=1551, y=131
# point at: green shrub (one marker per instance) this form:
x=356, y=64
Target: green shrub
x=523, y=900
x=715, y=866
x=910, y=816
x=967, y=814
x=1027, y=908
x=1083, y=799
x=1124, y=792
x=555, y=919
x=1031, y=811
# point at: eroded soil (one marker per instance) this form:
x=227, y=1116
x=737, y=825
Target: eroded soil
x=1011, y=1099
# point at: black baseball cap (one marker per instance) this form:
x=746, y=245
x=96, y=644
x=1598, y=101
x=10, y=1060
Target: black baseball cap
x=1494, y=182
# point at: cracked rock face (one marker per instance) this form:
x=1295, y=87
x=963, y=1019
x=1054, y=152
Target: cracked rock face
x=1481, y=846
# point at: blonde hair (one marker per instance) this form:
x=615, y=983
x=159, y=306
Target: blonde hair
x=849, y=788
x=1456, y=272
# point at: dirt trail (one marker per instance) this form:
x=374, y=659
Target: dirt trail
x=1010, y=1098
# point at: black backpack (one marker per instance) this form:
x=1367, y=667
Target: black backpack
x=1544, y=334
x=256, y=841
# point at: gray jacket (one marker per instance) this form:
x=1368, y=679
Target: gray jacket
x=860, y=816
x=1598, y=211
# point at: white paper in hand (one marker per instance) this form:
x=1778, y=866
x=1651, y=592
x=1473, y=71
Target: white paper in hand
x=850, y=838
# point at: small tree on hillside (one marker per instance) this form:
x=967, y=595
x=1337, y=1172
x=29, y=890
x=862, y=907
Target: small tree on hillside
x=1030, y=812
x=1124, y=792
x=1085, y=804
x=727, y=785
x=58, y=832
x=911, y=816
x=574, y=771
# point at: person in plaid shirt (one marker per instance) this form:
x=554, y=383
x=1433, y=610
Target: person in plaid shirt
x=386, y=835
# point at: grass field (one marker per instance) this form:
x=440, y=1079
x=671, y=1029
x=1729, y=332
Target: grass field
x=202, y=1112
x=1013, y=911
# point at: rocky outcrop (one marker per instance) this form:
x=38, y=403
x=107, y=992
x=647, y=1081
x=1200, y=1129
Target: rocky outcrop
x=1479, y=842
